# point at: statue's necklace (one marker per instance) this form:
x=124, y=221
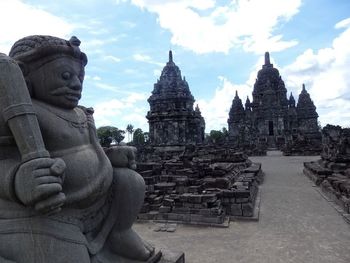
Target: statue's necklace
x=76, y=117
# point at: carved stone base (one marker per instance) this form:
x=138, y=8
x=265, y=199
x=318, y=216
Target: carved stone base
x=172, y=257
x=160, y=256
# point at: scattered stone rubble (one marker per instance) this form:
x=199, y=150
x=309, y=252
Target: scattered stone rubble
x=303, y=146
x=203, y=185
x=332, y=171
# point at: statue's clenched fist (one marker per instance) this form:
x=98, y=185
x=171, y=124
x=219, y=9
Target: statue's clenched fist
x=39, y=182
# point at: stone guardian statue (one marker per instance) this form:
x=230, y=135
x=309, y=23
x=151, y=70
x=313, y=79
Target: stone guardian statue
x=62, y=200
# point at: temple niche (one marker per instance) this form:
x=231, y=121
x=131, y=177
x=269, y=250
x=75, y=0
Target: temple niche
x=272, y=119
x=173, y=121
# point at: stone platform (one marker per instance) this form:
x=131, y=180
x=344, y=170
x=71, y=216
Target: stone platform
x=205, y=188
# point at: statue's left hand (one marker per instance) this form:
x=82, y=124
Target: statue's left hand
x=122, y=156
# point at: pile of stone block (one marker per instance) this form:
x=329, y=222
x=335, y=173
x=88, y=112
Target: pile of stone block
x=239, y=200
x=307, y=144
x=202, y=185
x=332, y=171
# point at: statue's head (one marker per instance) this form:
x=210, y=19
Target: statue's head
x=52, y=67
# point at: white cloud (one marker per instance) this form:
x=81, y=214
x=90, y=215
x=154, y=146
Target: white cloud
x=106, y=110
x=140, y=57
x=120, y=112
x=146, y=59
x=343, y=23
x=327, y=78
x=128, y=24
x=109, y=87
x=157, y=72
x=131, y=71
x=206, y=27
x=216, y=110
x=18, y=20
x=95, y=78
x=112, y=58
x=117, y=2
x=134, y=97
x=138, y=120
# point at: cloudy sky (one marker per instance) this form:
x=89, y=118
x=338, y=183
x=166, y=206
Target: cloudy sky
x=218, y=45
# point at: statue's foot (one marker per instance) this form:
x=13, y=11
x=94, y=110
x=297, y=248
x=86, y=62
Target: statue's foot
x=129, y=244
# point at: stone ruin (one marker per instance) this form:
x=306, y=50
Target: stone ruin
x=273, y=121
x=309, y=138
x=332, y=172
x=242, y=135
x=202, y=185
x=187, y=181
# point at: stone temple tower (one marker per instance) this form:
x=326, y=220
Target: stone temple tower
x=271, y=118
x=236, y=119
x=172, y=119
x=270, y=104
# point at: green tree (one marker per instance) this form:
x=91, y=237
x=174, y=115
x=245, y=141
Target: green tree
x=224, y=131
x=108, y=134
x=139, y=137
x=216, y=136
x=130, y=130
x=119, y=137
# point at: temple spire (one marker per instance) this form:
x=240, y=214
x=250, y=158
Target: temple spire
x=236, y=96
x=303, y=87
x=170, y=56
x=267, y=58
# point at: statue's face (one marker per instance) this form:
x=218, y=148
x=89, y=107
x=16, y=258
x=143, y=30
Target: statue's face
x=58, y=82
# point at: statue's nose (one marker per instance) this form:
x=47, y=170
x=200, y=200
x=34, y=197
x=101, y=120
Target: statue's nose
x=75, y=83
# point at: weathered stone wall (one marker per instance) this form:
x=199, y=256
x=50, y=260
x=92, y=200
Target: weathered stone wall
x=304, y=144
x=332, y=171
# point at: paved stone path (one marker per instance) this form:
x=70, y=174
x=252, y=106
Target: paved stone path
x=296, y=225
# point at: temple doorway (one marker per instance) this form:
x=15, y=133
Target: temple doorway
x=271, y=128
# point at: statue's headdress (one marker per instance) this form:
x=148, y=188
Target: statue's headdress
x=31, y=49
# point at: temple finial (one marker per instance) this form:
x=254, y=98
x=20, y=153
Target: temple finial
x=304, y=87
x=236, y=96
x=267, y=58
x=170, y=56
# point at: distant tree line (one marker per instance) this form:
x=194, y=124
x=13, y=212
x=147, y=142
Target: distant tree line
x=217, y=136
x=109, y=135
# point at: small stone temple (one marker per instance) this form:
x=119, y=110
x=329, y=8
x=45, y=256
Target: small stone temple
x=271, y=118
x=173, y=121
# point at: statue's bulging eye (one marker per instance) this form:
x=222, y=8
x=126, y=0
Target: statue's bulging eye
x=66, y=75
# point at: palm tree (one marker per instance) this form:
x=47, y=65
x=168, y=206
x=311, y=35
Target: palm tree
x=130, y=130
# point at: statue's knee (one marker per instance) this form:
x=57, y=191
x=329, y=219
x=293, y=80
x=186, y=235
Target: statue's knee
x=129, y=180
